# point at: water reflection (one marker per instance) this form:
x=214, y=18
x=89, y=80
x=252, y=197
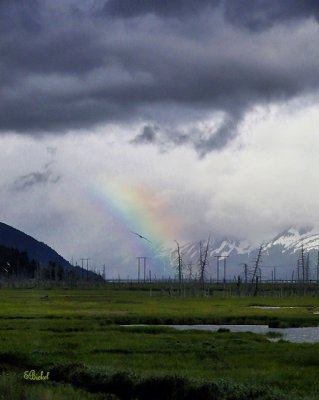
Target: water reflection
x=296, y=335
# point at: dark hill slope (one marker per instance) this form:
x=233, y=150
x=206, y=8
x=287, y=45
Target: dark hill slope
x=13, y=238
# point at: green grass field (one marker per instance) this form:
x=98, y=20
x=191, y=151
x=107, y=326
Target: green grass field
x=76, y=336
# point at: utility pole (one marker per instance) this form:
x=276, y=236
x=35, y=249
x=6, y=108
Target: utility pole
x=87, y=267
x=259, y=270
x=225, y=259
x=139, y=259
x=144, y=269
x=303, y=263
x=82, y=259
x=246, y=272
x=272, y=277
x=303, y=269
x=218, y=258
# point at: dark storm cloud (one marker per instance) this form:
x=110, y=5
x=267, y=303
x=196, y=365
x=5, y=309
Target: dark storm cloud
x=261, y=14
x=254, y=14
x=19, y=13
x=164, y=8
x=72, y=65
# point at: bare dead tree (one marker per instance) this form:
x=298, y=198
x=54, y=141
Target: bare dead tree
x=254, y=278
x=303, y=264
x=179, y=267
x=200, y=263
x=190, y=271
x=307, y=268
x=203, y=262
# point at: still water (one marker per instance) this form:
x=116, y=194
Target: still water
x=296, y=335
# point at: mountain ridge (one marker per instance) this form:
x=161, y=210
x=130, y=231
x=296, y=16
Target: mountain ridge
x=281, y=253
x=39, y=251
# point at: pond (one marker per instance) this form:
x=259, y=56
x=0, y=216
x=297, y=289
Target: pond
x=295, y=335
x=278, y=307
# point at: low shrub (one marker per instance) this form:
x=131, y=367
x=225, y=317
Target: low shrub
x=127, y=386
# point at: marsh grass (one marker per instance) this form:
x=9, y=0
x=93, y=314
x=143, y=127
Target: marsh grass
x=75, y=336
x=13, y=388
x=147, y=353
x=274, y=335
x=136, y=307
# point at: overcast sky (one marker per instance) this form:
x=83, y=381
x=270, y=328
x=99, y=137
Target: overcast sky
x=168, y=118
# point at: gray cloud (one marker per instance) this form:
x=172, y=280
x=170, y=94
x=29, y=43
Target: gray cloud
x=202, y=140
x=164, y=138
x=51, y=150
x=32, y=179
x=219, y=138
x=147, y=136
x=75, y=65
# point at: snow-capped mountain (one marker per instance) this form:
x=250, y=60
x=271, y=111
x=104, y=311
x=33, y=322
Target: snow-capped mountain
x=279, y=256
x=293, y=239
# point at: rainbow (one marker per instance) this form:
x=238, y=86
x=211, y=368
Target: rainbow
x=134, y=208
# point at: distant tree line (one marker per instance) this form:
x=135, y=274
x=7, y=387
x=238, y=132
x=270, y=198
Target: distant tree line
x=16, y=264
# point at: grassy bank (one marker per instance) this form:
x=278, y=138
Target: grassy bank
x=124, y=361
x=136, y=307
x=72, y=335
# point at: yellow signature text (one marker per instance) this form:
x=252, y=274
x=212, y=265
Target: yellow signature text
x=36, y=376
